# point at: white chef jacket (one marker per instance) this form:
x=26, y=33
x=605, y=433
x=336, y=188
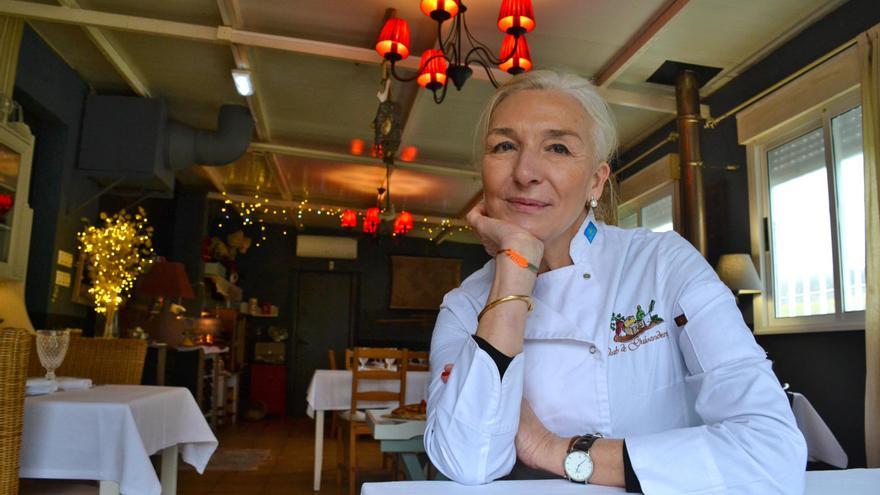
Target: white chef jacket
x=698, y=404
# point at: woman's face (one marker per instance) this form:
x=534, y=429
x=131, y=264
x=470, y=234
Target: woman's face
x=539, y=165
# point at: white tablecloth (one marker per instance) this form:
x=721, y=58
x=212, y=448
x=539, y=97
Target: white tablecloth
x=330, y=390
x=821, y=443
x=849, y=482
x=109, y=432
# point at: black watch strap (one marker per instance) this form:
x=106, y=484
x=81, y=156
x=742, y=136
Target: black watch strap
x=584, y=442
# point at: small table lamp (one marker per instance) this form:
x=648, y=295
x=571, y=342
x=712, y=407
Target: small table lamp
x=167, y=279
x=738, y=272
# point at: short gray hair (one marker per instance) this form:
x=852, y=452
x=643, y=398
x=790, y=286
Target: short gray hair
x=604, y=131
x=604, y=135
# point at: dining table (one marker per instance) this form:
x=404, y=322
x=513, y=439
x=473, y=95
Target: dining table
x=330, y=390
x=848, y=481
x=108, y=433
x=402, y=436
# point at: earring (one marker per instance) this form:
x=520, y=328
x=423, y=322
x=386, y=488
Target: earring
x=593, y=202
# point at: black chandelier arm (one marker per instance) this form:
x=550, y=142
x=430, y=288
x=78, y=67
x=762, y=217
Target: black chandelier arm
x=473, y=40
x=402, y=78
x=442, y=94
x=488, y=70
x=486, y=56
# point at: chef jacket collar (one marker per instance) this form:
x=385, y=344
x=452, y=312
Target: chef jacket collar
x=580, y=246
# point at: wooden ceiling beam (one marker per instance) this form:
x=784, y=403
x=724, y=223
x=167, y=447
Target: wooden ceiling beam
x=114, y=55
x=231, y=35
x=637, y=44
x=366, y=160
x=230, y=13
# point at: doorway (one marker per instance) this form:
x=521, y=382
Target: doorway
x=326, y=310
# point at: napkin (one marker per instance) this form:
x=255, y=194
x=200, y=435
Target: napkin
x=70, y=383
x=40, y=386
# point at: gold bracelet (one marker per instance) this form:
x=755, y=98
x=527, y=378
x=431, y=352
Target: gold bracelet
x=496, y=302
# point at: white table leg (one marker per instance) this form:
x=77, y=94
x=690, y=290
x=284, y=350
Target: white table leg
x=106, y=487
x=319, y=447
x=169, y=470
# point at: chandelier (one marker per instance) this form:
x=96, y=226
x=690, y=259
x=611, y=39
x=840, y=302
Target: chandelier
x=450, y=60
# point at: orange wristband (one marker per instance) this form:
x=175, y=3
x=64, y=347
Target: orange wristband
x=519, y=259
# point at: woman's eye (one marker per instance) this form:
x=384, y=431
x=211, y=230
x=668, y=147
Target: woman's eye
x=559, y=149
x=502, y=146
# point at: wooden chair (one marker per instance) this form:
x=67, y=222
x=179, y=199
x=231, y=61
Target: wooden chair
x=349, y=358
x=365, y=389
x=104, y=361
x=416, y=366
x=331, y=358
x=15, y=346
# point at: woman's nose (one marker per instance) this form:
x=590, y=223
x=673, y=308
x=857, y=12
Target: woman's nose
x=527, y=169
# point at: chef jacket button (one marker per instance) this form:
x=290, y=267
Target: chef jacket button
x=593, y=349
x=586, y=276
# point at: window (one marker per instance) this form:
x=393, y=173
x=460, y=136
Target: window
x=807, y=186
x=648, y=198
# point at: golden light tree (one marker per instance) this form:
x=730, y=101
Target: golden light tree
x=117, y=251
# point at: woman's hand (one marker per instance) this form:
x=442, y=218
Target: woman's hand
x=497, y=234
x=536, y=446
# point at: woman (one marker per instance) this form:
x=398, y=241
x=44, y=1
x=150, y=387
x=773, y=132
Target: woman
x=602, y=355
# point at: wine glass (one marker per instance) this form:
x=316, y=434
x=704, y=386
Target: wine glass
x=389, y=362
x=51, y=348
x=363, y=362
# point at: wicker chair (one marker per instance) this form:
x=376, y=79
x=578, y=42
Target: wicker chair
x=15, y=346
x=104, y=361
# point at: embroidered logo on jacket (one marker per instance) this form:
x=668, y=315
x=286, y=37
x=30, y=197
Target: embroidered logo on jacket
x=627, y=328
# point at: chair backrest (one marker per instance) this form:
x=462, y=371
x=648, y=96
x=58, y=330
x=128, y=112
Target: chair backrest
x=349, y=358
x=15, y=344
x=422, y=363
x=104, y=361
x=364, y=383
x=331, y=358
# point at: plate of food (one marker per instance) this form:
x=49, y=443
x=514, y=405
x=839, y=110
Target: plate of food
x=414, y=412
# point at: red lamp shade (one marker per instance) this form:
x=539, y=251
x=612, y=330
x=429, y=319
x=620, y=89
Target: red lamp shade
x=517, y=17
x=349, y=219
x=393, y=41
x=6, y=202
x=432, y=70
x=403, y=223
x=371, y=220
x=521, y=61
x=166, y=279
x=440, y=10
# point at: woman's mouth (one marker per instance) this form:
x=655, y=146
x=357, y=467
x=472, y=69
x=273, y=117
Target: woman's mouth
x=527, y=205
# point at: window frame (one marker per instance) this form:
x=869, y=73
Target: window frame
x=764, y=307
x=648, y=185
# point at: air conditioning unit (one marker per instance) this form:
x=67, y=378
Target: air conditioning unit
x=319, y=246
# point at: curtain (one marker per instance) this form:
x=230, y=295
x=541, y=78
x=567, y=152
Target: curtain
x=869, y=54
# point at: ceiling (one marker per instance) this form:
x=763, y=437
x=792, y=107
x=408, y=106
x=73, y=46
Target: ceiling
x=316, y=77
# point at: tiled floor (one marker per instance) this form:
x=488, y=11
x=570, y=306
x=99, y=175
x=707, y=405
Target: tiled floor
x=290, y=466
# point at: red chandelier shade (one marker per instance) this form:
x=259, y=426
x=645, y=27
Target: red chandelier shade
x=432, y=70
x=517, y=17
x=403, y=223
x=371, y=220
x=393, y=41
x=521, y=61
x=440, y=10
x=349, y=219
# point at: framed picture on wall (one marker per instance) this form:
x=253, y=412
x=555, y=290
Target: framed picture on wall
x=421, y=282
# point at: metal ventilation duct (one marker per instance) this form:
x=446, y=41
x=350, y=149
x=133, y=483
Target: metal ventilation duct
x=129, y=142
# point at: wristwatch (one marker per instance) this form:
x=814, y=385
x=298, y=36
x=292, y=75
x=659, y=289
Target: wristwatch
x=578, y=464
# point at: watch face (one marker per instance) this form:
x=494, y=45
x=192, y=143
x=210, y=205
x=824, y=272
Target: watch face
x=578, y=466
